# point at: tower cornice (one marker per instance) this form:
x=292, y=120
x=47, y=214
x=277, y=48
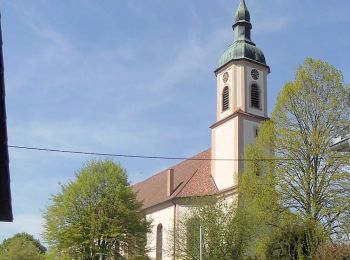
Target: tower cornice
x=239, y=112
x=223, y=67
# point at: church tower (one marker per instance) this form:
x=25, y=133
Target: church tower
x=241, y=101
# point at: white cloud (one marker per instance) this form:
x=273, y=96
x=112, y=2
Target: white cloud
x=194, y=55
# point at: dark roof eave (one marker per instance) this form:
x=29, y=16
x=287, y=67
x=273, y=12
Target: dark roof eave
x=176, y=199
x=250, y=60
x=342, y=146
x=170, y=199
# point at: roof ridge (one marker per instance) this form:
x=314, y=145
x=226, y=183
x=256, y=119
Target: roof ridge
x=172, y=167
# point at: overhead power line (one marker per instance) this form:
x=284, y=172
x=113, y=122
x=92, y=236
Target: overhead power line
x=51, y=150
x=117, y=155
x=123, y=155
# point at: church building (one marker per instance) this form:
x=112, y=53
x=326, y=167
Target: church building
x=241, y=95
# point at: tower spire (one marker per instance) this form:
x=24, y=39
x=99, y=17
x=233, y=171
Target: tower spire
x=242, y=26
x=242, y=47
x=242, y=12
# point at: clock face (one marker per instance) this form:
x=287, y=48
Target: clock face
x=225, y=77
x=255, y=74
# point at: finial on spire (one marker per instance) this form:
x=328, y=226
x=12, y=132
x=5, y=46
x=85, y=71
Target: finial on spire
x=242, y=13
x=242, y=25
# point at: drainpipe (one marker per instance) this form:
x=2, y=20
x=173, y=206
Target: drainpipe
x=100, y=256
x=200, y=242
x=174, y=229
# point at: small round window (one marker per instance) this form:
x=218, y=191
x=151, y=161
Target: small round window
x=255, y=74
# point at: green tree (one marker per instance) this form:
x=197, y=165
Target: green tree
x=22, y=246
x=304, y=178
x=96, y=213
x=292, y=241
x=223, y=232
x=310, y=112
x=259, y=200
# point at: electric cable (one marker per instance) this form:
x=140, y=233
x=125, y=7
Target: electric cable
x=52, y=150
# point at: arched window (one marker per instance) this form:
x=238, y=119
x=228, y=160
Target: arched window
x=255, y=96
x=159, y=245
x=225, y=99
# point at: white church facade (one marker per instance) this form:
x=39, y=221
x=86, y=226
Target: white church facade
x=241, y=106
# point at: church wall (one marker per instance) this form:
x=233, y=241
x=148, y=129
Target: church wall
x=183, y=211
x=163, y=214
x=225, y=144
x=184, y=207
x=249, y=129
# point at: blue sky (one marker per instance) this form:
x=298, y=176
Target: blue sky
x=135, y=77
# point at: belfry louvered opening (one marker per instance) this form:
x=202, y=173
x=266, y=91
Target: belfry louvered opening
x=255, y=96
x=225, y=99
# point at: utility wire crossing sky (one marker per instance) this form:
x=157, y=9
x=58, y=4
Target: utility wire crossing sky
x=165, y=157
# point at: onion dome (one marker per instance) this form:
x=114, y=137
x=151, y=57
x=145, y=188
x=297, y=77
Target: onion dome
x=242, y=47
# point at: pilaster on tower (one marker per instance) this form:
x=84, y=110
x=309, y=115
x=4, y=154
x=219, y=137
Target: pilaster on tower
x=241, y=101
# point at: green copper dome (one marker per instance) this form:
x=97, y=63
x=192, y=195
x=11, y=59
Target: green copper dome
x=242, y=47
x=242, y=50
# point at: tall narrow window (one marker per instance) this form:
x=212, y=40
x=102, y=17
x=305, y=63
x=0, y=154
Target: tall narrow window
x=255, y=96
x=256, y=132
x=159, y=245
x=225, y=99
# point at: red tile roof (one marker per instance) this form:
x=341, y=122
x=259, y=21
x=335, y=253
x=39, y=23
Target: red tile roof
x=192, y=178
